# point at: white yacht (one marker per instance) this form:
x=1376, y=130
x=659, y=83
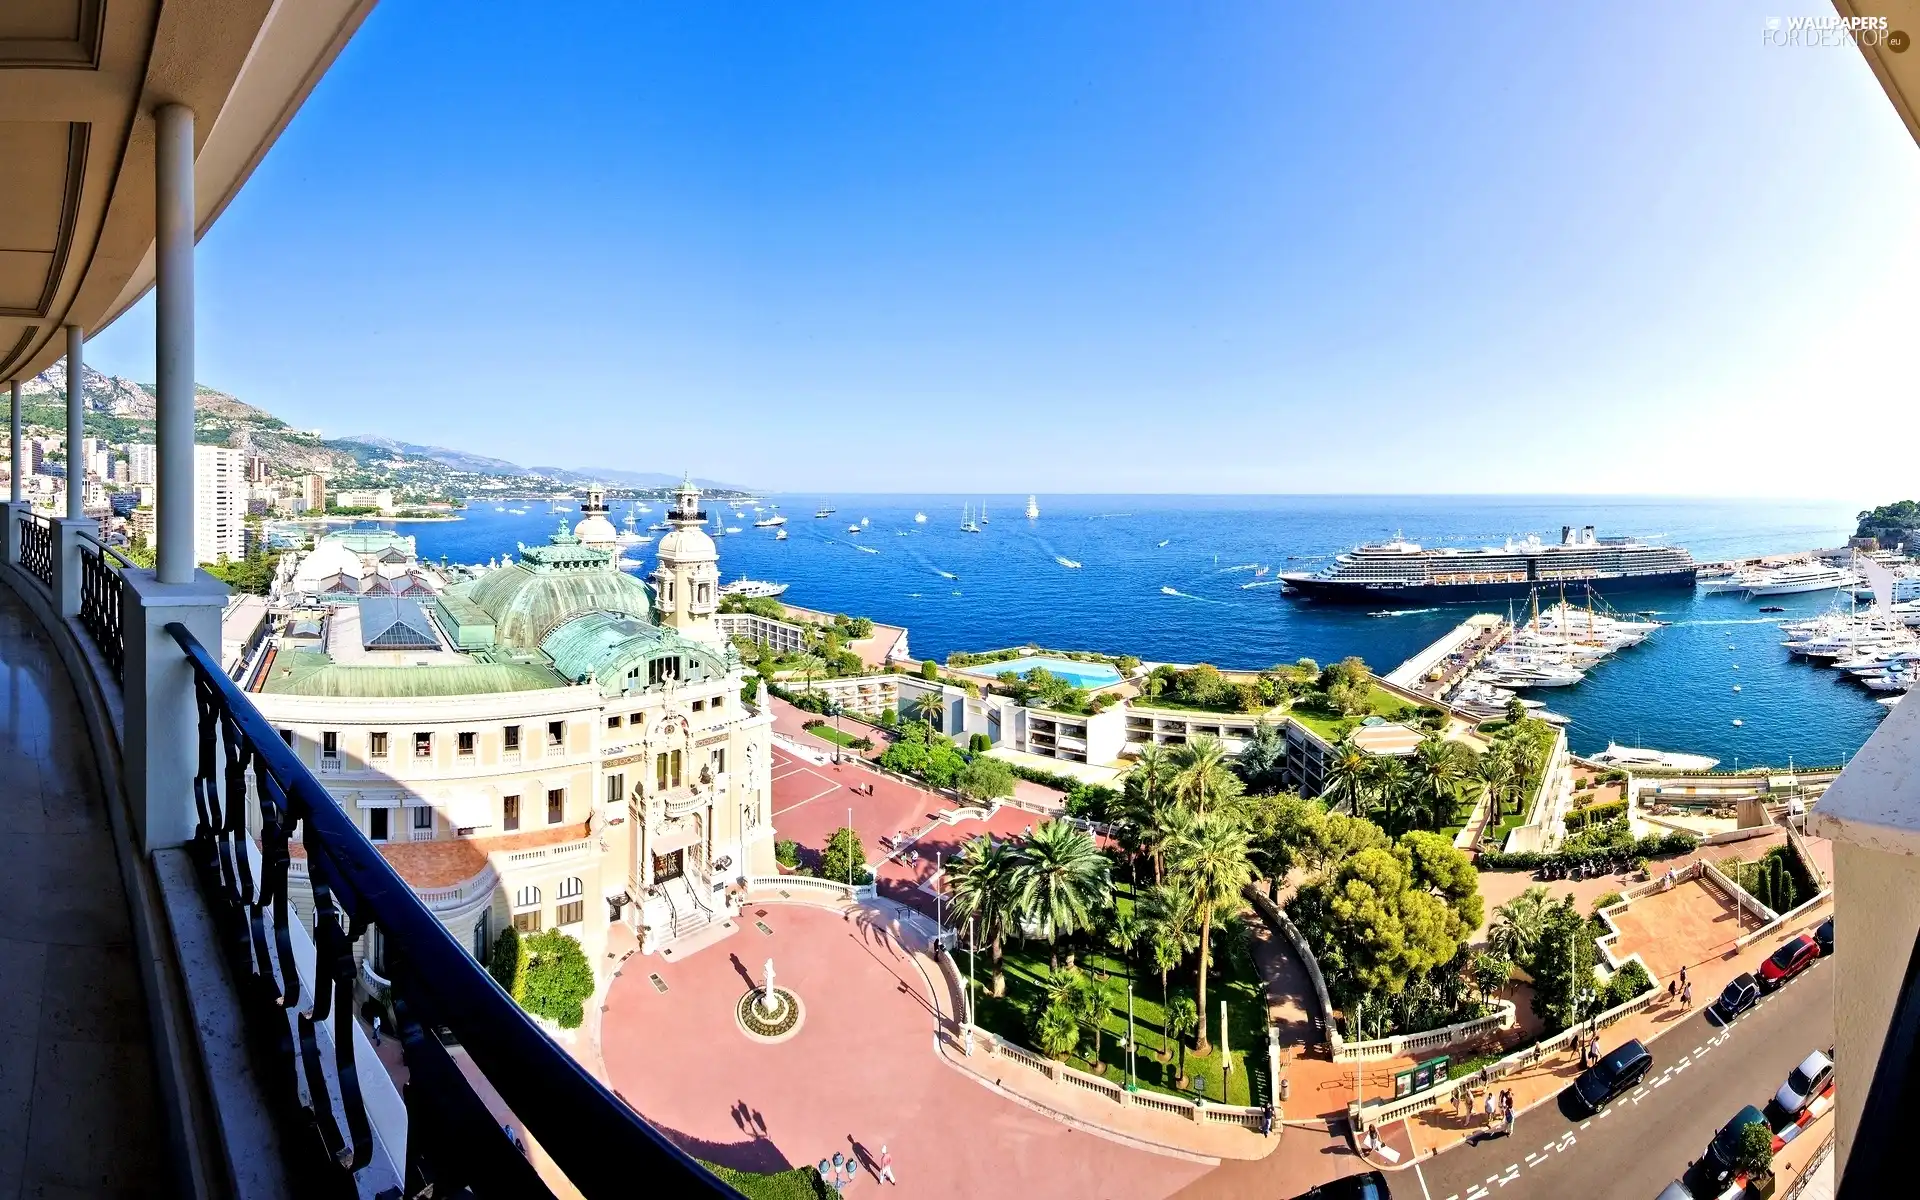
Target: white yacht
x=1800, y=577
x=1067, y=562
x=630, y=536
x=1639, y=756
x=919, y=518
x=853, y=529
x=780, y=536
x=753, y=589
x=1033, y=509
x=770, y=522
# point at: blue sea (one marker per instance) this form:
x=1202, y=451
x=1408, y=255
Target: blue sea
x=1005, y=587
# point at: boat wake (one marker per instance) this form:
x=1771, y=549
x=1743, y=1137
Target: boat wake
x=866, y=549
x=1241, y=567
x=1167, y=591
x=1402, y=612
x=1739, y=621
x=1261, y=583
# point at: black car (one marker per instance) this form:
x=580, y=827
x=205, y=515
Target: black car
x=1737, y=997
x=1716, y=1165
x=1370, y=1185
x=1824, y=935
x=1612, y=1075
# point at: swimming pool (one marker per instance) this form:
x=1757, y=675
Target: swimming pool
x=1079, y=674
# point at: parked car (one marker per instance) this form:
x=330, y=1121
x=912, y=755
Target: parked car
x=1824, y=936
x=1808, y=1080
x=1786, y=962
x=1369, y=1185
x=1716, y=1165
x=1616, y=1073
x=1737, y=997
x=1674, y=1191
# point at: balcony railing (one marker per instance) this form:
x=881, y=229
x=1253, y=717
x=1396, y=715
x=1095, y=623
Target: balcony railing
x=453, y=1141
x=101, y=603
x=36, y=548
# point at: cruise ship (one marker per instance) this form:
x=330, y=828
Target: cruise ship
x=1401, y=572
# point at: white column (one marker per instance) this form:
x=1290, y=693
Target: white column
x=173, y=336
x=76, y=424
x=19, y=447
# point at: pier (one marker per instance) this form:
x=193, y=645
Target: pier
x=1457, y=651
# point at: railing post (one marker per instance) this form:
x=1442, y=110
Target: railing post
x=11, y=511
x=162, y=716
x=69, y=534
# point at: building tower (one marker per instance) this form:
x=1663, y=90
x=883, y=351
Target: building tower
x=686, y=582
x=594, y=529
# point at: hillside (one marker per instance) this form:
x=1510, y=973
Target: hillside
x=121, y=410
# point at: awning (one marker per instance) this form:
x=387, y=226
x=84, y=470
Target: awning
x=379, y=799
x=673, y=837
x=471, y=810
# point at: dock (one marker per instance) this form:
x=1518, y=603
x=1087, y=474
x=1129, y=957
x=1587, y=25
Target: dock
x=1455, y=653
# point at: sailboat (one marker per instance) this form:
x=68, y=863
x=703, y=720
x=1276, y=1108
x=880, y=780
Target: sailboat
x=983, y=512
x=1033, y=509
x=630, y=536
x=966, y=520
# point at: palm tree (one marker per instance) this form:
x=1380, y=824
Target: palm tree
x=980, y=888
x=1159, y=830
x=1059, y=882
x=926, y=707
x=1124, y=932
x=1212, y=866
x=1201, y=772
x=1494, y=772
x=1391, y=782
x=1182, y=1017
x=1437, y=772
x=1172, y=932
x=1346, y=780
x=1518, y=925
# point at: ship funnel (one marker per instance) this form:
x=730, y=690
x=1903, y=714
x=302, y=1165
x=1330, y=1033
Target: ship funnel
x=1590, y=539
x=1566, y=535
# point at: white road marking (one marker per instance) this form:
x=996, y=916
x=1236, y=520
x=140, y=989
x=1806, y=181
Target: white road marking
x=1417, y=1174
x=1476, y=1192
x=1513, y=1173
x=1584, y=1124
x=1699, y=1049
x=1567, y=1141
x=1547, y=1145
x=1660, y=1082
x=1607, y=1112
x=1535, y=1159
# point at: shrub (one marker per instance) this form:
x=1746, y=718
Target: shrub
x=1754, y=1155
x=786, y=852
x=557, y=979
x=1627, y=983
x=1651, y=846
x=794, y=1183
x=889, y=718
x=1602, y=901
x=1593, y=814
x=986, y=778
x=929, y=669
x=845, y=858
x=978, y=743
x=861, y=743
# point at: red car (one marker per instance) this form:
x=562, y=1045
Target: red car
x=1788, y=961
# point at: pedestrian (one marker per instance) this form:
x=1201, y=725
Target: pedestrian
x=886, y=1167
x=1673, y=988
x=1686, y=998
x=1493, y=1102
x=1506, y=1108
x=376, y=1030
x=1683, y=975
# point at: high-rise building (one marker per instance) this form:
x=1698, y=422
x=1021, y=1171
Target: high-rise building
x=314, y=489
x=256, y=468
x=140, y=463
x=219, y=507
x=121, y=472
x=100, y=463
x=140, y=526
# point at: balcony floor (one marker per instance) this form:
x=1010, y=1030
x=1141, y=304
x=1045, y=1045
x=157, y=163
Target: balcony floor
x=78, y=1112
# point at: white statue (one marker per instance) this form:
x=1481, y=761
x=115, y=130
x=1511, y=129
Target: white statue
x=766, y=996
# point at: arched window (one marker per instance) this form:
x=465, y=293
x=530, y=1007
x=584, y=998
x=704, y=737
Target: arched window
x=571, y=909
x=526, y=897
x=569, y=888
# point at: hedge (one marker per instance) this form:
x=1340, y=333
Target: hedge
x=1580, y=818
x=1651, y=846
x=795, y=1183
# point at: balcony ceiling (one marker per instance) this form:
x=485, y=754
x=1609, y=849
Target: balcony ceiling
x=79, y=83
x=1898, y=73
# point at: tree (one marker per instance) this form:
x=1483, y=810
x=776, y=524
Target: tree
x=507, y=963
x=1627, y=984
x=1516, y=710
x=1437, y=771
x=1340, y=837
x=1201, y=776
x=1262, y=759
x=1124, y=931
x=845, y=858
x=980, y=889
x=1494, y=772
x=1447, y=872
x=1562, y=967
x=1490, y=973
x=1158, y=830
x=1089, y=1002
x=1753, y=1157
x=1518, y=925
x=926, y=708
x=1211, y=865
x=557, y=978
x=1172, y=932
x=1056, y=1029
x=1281, y=831
x=986, y=778
x=1374, y=925
x=1126, y=664
x=1060, y=881
x=1183, y=1017
x=1347, y=777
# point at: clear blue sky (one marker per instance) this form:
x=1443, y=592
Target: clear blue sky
x=1224, y=246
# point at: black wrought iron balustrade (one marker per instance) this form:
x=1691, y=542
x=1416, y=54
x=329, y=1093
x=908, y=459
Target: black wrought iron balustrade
x=36, y=548
x=453, y=1142
x=100, y=604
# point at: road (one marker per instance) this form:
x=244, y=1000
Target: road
x=1644, y=1140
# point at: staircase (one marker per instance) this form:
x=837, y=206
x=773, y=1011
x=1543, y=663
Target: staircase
x=689, y=915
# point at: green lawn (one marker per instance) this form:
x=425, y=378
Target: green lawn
x=1236, y=982
x=1331, y=728
x=839, y=737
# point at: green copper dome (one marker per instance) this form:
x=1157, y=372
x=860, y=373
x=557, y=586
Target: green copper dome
x=552, y=585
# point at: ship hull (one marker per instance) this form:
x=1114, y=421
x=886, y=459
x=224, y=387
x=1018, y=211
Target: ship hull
x=1335, y=591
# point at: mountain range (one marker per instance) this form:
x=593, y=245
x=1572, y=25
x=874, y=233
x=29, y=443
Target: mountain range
x=121, y=410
